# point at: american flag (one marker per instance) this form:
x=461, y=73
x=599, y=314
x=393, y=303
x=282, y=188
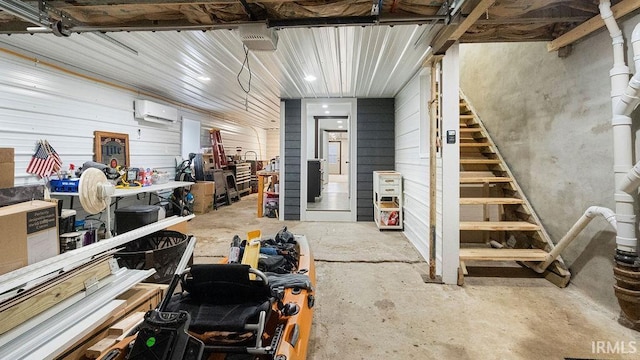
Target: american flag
x=45, y=161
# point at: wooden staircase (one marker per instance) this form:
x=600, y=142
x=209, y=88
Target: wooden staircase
x=497, y=223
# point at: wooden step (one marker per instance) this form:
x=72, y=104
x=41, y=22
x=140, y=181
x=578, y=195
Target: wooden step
x=484, y=179
x=470, y=130
x=479, y=161
x=466, y=117
x=490, y=201
x=502, y=254
x=498, y=226
x=474, y=144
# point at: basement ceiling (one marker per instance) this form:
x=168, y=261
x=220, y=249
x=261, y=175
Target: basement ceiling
x=354, y=48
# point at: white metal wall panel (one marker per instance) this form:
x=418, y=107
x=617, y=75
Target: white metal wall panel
x=415, y=170
x=273, y=143
x=41, y=103
x=354, y=62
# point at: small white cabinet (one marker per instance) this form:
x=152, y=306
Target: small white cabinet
x=387, y=199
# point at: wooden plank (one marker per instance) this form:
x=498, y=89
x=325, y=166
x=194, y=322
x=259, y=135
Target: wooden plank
x=490, y=201
x=141, y=298
x=115, y=333
x=470, y=130
x=474, y=144
x=479, y=161
x=498, y=226
x=503, y=254
x=475, y=14
x=620, y=9
x=36, y=304
x=463, y=267
x=485, y=179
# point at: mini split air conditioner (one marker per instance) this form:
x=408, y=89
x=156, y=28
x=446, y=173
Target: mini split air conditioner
x=257, y=37
x=153, y=112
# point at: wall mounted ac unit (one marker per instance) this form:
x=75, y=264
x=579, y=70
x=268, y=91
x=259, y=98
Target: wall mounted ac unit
x=154, y=112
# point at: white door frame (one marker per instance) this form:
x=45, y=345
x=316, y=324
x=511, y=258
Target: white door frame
x=333, y=215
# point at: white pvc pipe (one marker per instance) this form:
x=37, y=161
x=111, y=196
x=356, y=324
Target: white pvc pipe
x=576, y=229
x=622, y=146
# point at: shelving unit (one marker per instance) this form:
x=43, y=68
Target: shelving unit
x=387, y=200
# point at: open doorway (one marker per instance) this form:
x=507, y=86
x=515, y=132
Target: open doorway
x=327, y=172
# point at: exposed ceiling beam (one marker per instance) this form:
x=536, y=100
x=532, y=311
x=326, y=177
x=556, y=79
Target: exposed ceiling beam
x=620, y=9
x=533, y=20
x=451, y=34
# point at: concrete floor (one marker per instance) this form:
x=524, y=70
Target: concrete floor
x=371, y=301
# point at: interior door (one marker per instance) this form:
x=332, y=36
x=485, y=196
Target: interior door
x=333, y=158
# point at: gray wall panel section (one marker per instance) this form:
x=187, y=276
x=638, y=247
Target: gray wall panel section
x=376, y=148
x=293, y=114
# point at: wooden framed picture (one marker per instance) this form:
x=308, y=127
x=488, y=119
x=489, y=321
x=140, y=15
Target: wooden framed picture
x=111, y=148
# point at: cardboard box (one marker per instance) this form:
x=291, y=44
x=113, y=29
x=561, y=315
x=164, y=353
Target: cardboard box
x=202, y=188
x=202, y=207
x=7, y=168
x=30, y=234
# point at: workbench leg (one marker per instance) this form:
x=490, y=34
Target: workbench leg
x=260, y=194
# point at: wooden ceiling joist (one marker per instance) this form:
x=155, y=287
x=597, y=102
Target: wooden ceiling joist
x=620, y=9
x=450, y=35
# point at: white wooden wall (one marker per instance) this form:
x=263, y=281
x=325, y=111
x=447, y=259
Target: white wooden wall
x=39, y=102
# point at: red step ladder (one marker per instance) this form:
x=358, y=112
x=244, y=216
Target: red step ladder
x=219, y=157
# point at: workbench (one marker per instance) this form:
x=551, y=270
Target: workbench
x=261, y=191
x=130, y=191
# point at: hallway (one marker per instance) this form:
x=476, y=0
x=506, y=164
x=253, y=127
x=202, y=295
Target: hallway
x=373, y=304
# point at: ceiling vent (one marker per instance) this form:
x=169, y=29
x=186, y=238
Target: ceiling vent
x=258, y=37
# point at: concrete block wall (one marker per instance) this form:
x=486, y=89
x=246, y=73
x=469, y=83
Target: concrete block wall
x=551, y=119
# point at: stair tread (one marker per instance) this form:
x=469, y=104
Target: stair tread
x=498, y=225
x=503, y=254
x=484, y=179
x=470, y=130
x=489, y=201
x=480, y=161
x=475, y=144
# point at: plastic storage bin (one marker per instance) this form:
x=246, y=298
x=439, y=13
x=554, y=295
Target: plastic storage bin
x=135, y=216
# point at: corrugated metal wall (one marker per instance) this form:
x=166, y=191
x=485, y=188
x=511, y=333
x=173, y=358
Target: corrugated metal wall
x=39, y=102
x=292, y=143
x=375, y=143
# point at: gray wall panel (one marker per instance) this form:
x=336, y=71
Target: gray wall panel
x=376, y=148
x=293, y=114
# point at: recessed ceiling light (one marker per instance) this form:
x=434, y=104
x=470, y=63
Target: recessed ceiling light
x=339, y=121
x=204, y=78
x=324, y=106
x=339, y=126
x=327, y=112
x=310, y=78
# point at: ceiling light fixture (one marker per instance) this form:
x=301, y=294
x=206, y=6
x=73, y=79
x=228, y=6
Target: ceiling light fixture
x=204, y=78
x=324, y=106
x=339, y=121
x=327, y=112
x=339, y=126
x=310, y=78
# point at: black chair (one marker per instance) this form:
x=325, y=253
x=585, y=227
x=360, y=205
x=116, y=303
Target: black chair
x=222, y=298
